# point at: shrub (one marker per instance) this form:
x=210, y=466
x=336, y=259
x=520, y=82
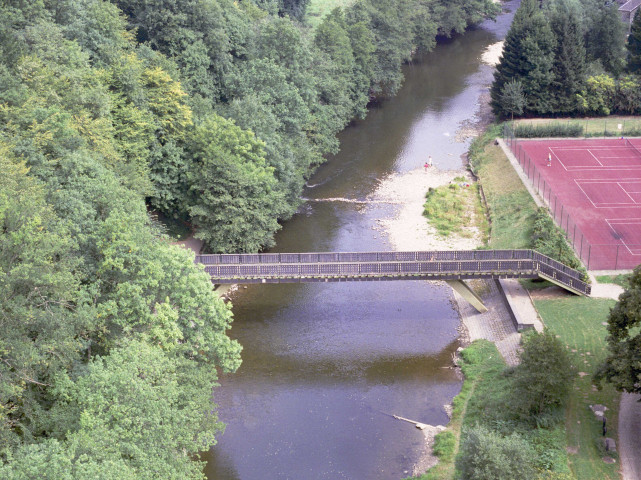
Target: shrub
x=549, y=240
x=444, y=445
x=599, y=95
x=485, y=455
x=543, y=378
x=525, y=130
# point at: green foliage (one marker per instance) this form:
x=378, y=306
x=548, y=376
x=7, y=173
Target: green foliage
x=486, y=455
x=235, y=201
x=622, y=367
x=605, y=35
x=551, y=47
x=598, y=95
x=38, y=302
x=512, y=99
x=578, y=322
x=525, y=130
x=543, y=378
x=510, y=206
x=450, y=208
x=549, y=240
x=444, y=445
x=621, y=279
x=628, y=97
x=569, y=56
x=633, y=46
x=527, y=57
x=111, y=337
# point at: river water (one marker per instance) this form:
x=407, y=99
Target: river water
x=325, y=364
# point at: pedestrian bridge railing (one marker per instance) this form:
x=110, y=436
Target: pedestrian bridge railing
x=364, y=266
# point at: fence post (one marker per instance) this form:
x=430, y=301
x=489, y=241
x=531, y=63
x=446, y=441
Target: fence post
x=574, y=236
x=616, y=259
x=581, y=254
x=589, y=253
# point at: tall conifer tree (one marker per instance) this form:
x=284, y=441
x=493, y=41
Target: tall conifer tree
x=527, y=56
x=569, y=57
x=634, y=46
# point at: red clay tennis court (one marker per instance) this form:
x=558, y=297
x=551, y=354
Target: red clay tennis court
x=593, y=190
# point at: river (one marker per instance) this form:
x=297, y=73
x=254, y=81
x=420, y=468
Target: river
x=325, y=364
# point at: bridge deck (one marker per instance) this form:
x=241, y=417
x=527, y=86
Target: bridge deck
x=372, y=266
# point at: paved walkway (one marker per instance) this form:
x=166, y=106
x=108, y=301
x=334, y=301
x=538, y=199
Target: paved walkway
x=495, y=325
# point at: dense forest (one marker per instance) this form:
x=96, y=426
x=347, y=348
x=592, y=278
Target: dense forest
x=569, y=57
x=213, y=112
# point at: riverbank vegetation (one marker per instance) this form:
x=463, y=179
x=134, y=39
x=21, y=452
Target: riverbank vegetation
x=508, y=422
x=450, y=208
x=568, y=57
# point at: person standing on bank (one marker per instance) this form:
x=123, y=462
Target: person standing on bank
x=549, y=159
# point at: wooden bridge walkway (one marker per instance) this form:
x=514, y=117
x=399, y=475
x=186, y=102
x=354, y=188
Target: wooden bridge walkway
x=380, y=266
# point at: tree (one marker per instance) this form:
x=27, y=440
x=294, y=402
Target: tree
x=543, y=378
x=235, y=201
x=39, y=302
x=485, y=455
x=622, y=367
x=633, y=46
x=598, y=96
x=528, y=57
x=628, y=99
x=512, y=98
x=605, y=36
x=569, y=56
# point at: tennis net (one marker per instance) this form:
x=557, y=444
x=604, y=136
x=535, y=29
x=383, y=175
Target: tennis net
x=629, y=145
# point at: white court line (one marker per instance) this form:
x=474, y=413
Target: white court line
x=626, y=192
x=606, y=204
x=626, y=222
x=586, y=195
x=614, y=180
x=558, y=159
x=606, y=167
x=597, y=160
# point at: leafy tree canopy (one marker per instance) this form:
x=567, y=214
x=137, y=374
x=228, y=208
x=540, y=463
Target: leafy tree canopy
x=622, y=367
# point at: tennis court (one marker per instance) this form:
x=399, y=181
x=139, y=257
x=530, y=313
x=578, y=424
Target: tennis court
x=593, y=189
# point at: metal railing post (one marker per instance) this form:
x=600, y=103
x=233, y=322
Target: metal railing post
x=616, y=259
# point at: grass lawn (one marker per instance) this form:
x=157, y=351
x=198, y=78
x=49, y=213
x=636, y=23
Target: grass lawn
x=621, y=279
x=597, y=126
x=510, y=206
x=578, y=322
x=317, y=9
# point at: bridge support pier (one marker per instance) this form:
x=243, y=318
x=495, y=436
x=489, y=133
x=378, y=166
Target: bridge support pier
x=463, y=289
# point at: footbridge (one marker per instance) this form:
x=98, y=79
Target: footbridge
x=453, y=266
